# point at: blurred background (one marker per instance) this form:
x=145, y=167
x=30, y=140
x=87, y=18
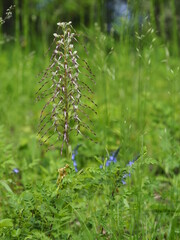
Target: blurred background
x=37, y=18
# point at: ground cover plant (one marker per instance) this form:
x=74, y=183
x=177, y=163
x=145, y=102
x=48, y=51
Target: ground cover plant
x=124, y=187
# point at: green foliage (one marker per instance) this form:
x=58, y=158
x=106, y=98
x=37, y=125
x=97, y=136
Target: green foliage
x=80, y=205
x=7, y=159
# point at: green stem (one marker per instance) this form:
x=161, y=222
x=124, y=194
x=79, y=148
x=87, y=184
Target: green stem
x=66, y=97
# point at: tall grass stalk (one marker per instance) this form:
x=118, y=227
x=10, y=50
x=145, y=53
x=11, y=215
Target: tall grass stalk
x=17, y=25
x=152, y=14
x=162, y=21
x=26, y=23
x=175, y=33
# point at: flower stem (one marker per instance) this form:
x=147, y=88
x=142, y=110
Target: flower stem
x=66, y=98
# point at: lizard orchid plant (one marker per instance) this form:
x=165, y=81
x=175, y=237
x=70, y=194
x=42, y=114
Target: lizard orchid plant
x=65, y=89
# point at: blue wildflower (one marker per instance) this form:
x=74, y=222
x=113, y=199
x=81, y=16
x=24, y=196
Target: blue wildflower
x=108, y=162
x=74, y=153
x=76, y=170
x=112, y=158
x=123, y=182
x=16, y=170
x=132, y=162
x=129, y=165
x=73, y=156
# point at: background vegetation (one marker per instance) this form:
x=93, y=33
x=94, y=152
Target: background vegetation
x=138, y=93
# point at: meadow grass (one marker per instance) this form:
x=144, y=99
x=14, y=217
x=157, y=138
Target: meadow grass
x=138, y=95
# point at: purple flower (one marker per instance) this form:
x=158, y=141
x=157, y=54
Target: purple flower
x=16, y=170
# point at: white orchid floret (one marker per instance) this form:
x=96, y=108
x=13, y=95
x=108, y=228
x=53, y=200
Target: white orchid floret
x=69, y=40
x=76, y=75
x=54, y=73
x=60, y=64
x=59, y=58
x=66, y=127
x=69, y=23
x=52, y=86
x=56, y=35
x=60, y=41
x=75, y=86
x=61, y=24
x=78, y=96
x=72, y=97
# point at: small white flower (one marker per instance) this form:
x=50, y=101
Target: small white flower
x=56, y=35
x=61, y=24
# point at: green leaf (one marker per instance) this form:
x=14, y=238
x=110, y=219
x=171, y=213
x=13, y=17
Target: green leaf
x=6, y=186
x=99, y=160
x=126, y=203
x=16, y=233
x=6, y=223
x=34, y=163
x=152, y=161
